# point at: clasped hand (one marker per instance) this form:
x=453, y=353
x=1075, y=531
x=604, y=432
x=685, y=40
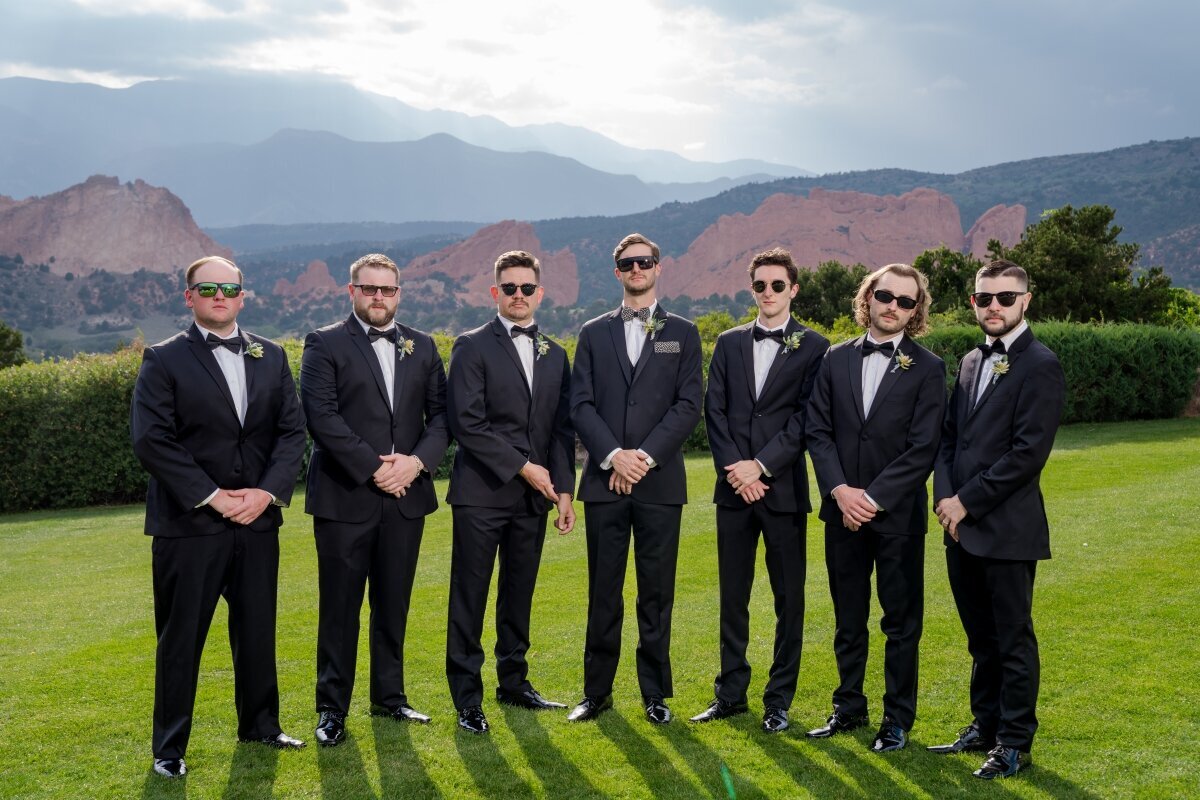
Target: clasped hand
x=240, y=506
x=396, y=473
x=628, y=467
x=746, y=479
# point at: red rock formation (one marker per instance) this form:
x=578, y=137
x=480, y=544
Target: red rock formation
x=104, y=224
x=469, y=264
x=1005, y=223
x=315, y=280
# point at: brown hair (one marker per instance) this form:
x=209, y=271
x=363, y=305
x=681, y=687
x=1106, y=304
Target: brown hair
x=1003, y=269
x=775, y=257
x=376, y=260
x=200, y=262
x=518, y=258
x=636, y=238
x=919, y=322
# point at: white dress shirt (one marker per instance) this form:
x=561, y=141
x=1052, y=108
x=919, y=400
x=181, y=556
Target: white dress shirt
x=765, y=351
x=385, y=352
x=233, y=367
x=635, y=340
x=874, y=368
x=985, y=368
x=524, y=345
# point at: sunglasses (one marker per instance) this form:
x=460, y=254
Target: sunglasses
x=984, y=299
x=778, y=287
x=642, y=262
x=369, y=289
x=210, y=289
x=885, y=297
x=510, y=289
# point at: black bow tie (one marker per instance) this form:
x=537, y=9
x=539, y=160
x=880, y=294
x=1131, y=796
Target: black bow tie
x=213, y=341
x=629, y=314
x=883, y=348
x=990, y=350
x=763, y=333
x=517, y=330
x=375, y=333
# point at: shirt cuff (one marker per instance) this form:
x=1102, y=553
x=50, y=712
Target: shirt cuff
x=607, y=462
x=764, y=469
x=872, y=502
x=649, y=459
x=208, y=499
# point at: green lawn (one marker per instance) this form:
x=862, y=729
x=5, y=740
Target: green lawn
x=1115, y=612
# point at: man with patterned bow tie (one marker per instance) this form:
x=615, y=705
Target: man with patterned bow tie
x=508, y=408
x=374, y=393
x=635, y=398
x=216, y=422
x=873, y=425
x=999, y=431
x=758, y=386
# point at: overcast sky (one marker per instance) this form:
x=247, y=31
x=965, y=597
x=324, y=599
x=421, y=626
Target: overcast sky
x=938, y=85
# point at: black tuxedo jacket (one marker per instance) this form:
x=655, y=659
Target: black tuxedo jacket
x=653, y=407
x=992, y=454
x=888, y=452
x=186, y=433
x=499, y=424
x=341, y=387
x=769, y=428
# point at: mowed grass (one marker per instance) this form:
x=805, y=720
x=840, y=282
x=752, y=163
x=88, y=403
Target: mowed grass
x=1115, y=612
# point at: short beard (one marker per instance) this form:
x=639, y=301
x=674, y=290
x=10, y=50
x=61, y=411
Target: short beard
x=1007, y=329
x=388, y=316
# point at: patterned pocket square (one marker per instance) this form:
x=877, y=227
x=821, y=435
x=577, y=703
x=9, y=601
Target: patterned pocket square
x=666, y=347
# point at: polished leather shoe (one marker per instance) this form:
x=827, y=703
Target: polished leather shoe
x=589, y=708
x=839, y=723
x=890, y=737
x=969, y=740
x=1002, y=762
x=170, y=767
x=472, y=720
x=530, y=699
x=656, y=710
x=331, y=729
x=403, y=712
x=280, y=740
x=775, y=719
x=719, y=709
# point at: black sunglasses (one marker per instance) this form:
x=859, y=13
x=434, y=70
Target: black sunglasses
x=642, y=262
x=984, y=299
x=369, y=289
x=885, y=297
x=210, y=289
x=510, y=289
x=778, y=287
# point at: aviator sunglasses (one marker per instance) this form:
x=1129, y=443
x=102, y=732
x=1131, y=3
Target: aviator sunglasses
x=778, y=287
x=642, y=262
x=885, y=297
x=370, y=289
x=210, y=289
x=1006, y=299
x=510, y=289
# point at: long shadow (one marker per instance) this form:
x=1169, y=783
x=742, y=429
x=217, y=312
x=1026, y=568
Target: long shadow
x=706, y=762
x=252, y=773
x=401, y=771
x=658, y=773
x=342, y=771
x=788, y=751
x=156, y=787
x=558, y=775
x=488, y=768
x=940, y=772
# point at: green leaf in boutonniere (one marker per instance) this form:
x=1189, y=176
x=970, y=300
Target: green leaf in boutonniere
x=543, y=346
x=1000, y=368
x=653, y=325
x=903, y=361
x=254, y=350
x=405, y=346
x=792, y=341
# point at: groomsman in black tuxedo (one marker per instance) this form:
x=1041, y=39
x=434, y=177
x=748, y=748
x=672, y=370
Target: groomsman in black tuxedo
x=216, y=423
x=635, y=398
x=374, y=392
x=873, y=426
x=508, y=406
x=1000, y=427
x=758, y=387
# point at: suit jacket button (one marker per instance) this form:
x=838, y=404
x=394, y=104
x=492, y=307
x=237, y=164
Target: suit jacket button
x=866, y=437
x=633, y=402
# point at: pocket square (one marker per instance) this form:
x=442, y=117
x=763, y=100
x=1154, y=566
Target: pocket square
x=666, y=347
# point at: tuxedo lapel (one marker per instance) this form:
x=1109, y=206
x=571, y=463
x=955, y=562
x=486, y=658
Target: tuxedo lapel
x=1012, y=355
x=204, y=355
x=746, y=348
x=648, y=345
x=400, y=365
x=854, y=374
x=891, y=374
x=363, y=343
x=505, y=341
x=778, y=361
x=251, y=371
x=968, y=379
x=616, y=329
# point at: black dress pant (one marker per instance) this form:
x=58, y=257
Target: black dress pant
x=190, y=574
x=518, y=534
x=995, y=603
x=381, y=552
x=783, y=537
x=655, y=533
x=899, y=563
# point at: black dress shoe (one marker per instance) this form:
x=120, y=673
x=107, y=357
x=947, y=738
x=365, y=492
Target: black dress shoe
x=589, y=708
x=969, y=740
x=775, y=719
x=280, y=740
x=170, y=767
x=719, y=709
x=656, y=710
x=890, y=737
x=530, y=699
x=403, y=713
x=838, y=723
x=472, y=720
x=331, y=729
x=1002, y=762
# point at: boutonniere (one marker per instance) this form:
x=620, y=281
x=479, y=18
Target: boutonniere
x=1000, y=368
x=792, y=341
x=405, y=347
x=903, y=361
x=653, y=325
x=542, y=346
x=254, y=350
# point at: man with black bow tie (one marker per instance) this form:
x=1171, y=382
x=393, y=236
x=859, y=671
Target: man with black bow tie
x=758, y=387
x=873, y=425
x=374, y=393
x=999, y=431
x=635, y=398
x=508, y=409
x=216, y=422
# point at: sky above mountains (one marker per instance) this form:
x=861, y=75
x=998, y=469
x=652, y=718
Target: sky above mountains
x=937, y=85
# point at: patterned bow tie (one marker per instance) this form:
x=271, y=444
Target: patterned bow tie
x=990, y=350
x=517, y=330
x=762, y=333
x=389, y=334
x=629, y=314
x=213, y=341
x=885, y=348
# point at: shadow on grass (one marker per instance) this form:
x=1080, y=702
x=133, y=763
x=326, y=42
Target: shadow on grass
x=342, y=771
x=252, y=773
x=488, y=768
x=938, y=772
x=558, y=775
x=659, y=775
x=790, y=754
x=156, y=787
x=706, y=763
x=401, y=772
x=1084, y=435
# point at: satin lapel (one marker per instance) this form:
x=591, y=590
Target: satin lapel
x=780, y=358
x=616, y=329
x=1014, y=353
x=891, y=374
x=504, y=341
x=207, y=360
x=251, y=369
x=746, y=348
x=400, y=370
x=648, y=345
x=968, y=378
x=540, y=375
x=854, y=374
x=363, y=343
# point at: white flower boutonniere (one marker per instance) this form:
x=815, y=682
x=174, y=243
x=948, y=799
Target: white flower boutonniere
x=1000, y=368
x=405, y=346
x=653, y=325
x=792, y=341
x=542, y=346
x=903, y=361
x=254, y=350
